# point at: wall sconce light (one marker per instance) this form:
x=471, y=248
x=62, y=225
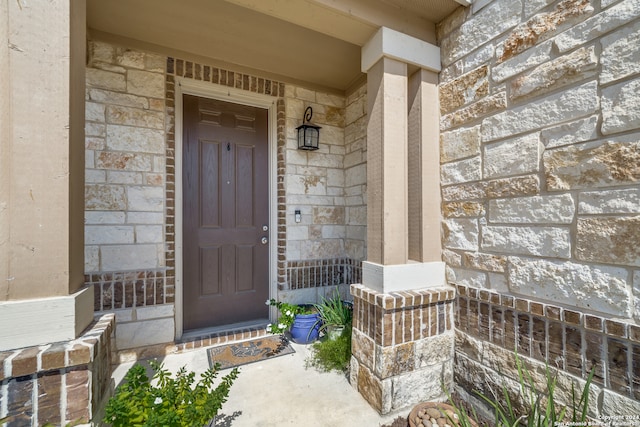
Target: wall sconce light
x=308, y=134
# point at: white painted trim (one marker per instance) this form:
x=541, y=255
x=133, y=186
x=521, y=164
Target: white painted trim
x=464, y=2
x=223, y=93
x=401, y=47
x=38, y=321
x=403, y=277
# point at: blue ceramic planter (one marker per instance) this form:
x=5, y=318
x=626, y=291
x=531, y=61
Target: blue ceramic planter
x=305, y=328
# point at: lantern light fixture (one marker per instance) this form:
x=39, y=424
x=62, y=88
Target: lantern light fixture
x=308, y=134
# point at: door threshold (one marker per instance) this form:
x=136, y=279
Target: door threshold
x=216, y=331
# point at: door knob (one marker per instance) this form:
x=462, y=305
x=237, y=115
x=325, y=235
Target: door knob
x=264, y=240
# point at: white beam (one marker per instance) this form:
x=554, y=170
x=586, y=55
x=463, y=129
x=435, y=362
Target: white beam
x=401, y=47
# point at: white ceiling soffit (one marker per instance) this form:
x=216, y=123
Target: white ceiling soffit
x=314, y=41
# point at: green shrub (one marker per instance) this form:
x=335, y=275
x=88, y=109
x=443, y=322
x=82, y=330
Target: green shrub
x=171, y=402
x=333, y=354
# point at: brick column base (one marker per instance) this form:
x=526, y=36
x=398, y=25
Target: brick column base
x=59, y=383
x=402, y=346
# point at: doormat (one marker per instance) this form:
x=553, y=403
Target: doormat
x=241, y=353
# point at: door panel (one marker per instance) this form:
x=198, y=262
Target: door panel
x=225, y=205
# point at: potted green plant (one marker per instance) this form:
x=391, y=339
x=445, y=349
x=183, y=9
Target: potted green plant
x=301, y=321
x=336, y=315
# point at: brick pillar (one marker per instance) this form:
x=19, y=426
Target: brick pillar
x=402, y=332
x=402, y=346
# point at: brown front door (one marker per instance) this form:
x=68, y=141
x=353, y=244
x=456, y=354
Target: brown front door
x=225, y=213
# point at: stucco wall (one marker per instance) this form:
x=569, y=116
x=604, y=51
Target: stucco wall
x=540, y=146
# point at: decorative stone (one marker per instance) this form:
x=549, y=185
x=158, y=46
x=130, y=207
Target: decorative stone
x=116, y=98
x=516, y=156
x=513, y=187
x=594, y=164
x=532, y=6
x=328, y=215
x=149, y=234
x=123, y=161
x=105, y=79
x=471, y=278
x=462, y=209
x=607, y=240
x=145, y=83
x=451, y=258
x=394, y=360
x=107, y=234
x=142, y=198
x=616, y=405
x=100, y=51
x=145, y=218
x=128, y=257
x=536, y=241
x=487, y=105
x=106, y=217
x=598, y=25
x=609, y=202
x=91, y=258
x=466, y=89
x=135, y=117
x=486, y=262
x=94, y=112
x=533, y=210
x=95, y=129
x=434, y=350
x=459, y=144
x=597, y=288
x=560, y=107
x=478, y=57
x=578, y=65
x=461, y=171
x=363, y=347
x=370, y=388
x=570, y=133
x=409, y=389
x=620, y=107
x=463, y=191
x=134, y=139
x=620, y=56
x=483, y=27
x=130, y=58
x=524, y=61
x=119, y=177
x=307, y=184
x=104, y=197
x=544, y=25
x=460, y=234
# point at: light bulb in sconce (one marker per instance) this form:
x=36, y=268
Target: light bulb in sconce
x=298, y=215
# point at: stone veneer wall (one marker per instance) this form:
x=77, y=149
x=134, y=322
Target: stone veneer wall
x=540, y=147
x=130, y=187
x=402, y=346
x=58, y=383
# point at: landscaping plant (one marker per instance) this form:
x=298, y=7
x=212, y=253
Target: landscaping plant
x=543, y=409
x=334, y=312
x=287, y=315
x=333, y=354
x=171, y=401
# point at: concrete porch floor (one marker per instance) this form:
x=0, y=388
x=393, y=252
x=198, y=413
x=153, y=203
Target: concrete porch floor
x=282, y=392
